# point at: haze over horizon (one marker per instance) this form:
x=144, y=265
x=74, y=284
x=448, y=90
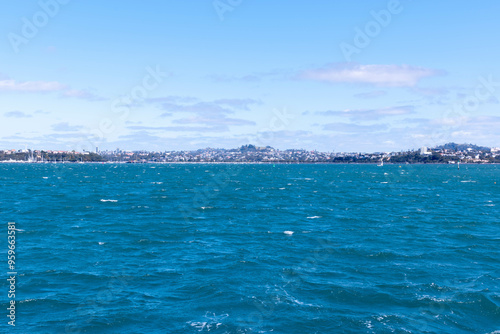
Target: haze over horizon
x=354, y=77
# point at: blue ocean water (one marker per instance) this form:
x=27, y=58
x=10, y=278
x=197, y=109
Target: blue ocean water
x=225, y=248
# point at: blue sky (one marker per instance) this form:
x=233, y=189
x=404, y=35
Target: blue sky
x=178, y=75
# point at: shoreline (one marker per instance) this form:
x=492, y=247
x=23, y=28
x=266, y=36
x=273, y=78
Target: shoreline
x=241, y=163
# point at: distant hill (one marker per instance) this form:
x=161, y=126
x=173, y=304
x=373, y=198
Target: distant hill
x=462, y=147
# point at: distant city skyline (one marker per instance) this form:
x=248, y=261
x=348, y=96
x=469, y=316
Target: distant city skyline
x=365, y=76
x=451, y=153
x=423, y=149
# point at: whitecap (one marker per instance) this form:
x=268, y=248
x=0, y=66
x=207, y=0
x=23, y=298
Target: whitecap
x=214, y=322
x=295, y=300
x=30, y=300
x=198, y=325
x=434, y=299
x=288, y=232
x=101, y=243
x=109, y=200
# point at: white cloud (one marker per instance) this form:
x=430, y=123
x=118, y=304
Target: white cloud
x=221, y=120
x=354, y=128
x=369, y=114
x=380, y=75
x=17, y=114
x=371, y=95
x=66, y=127
x=42, y=112
x=81, y=94
x=207, y=115
x=252, y=77
x=243, y=104
x=30, y=86
x=215, y=128
x=10, y=85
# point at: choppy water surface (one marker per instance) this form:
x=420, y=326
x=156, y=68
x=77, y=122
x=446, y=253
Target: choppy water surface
x=254, y=248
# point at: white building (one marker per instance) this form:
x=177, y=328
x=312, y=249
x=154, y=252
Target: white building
x=425, y=151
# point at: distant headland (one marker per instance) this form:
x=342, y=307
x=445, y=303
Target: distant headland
x=448, y=153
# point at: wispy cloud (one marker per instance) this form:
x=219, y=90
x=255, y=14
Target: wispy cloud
x=179, y=128
x=379, y=75
x=42, y=112
x=430, y=91
x=208, y=115
x=188, y=104
x=11, y=85
x=83, y=94
x=354, y=128
x=233, y=78
x=252, y=77
x=242, y=104
x=371, y=95
x=369, y=114
x=17, y=114
x=202, y=108
x=172, y=99
x=418, y=132
x=147, y=139
x=213, y=121
x=30, y=86
x=66, y=127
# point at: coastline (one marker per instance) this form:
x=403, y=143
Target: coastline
x=241, y=163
